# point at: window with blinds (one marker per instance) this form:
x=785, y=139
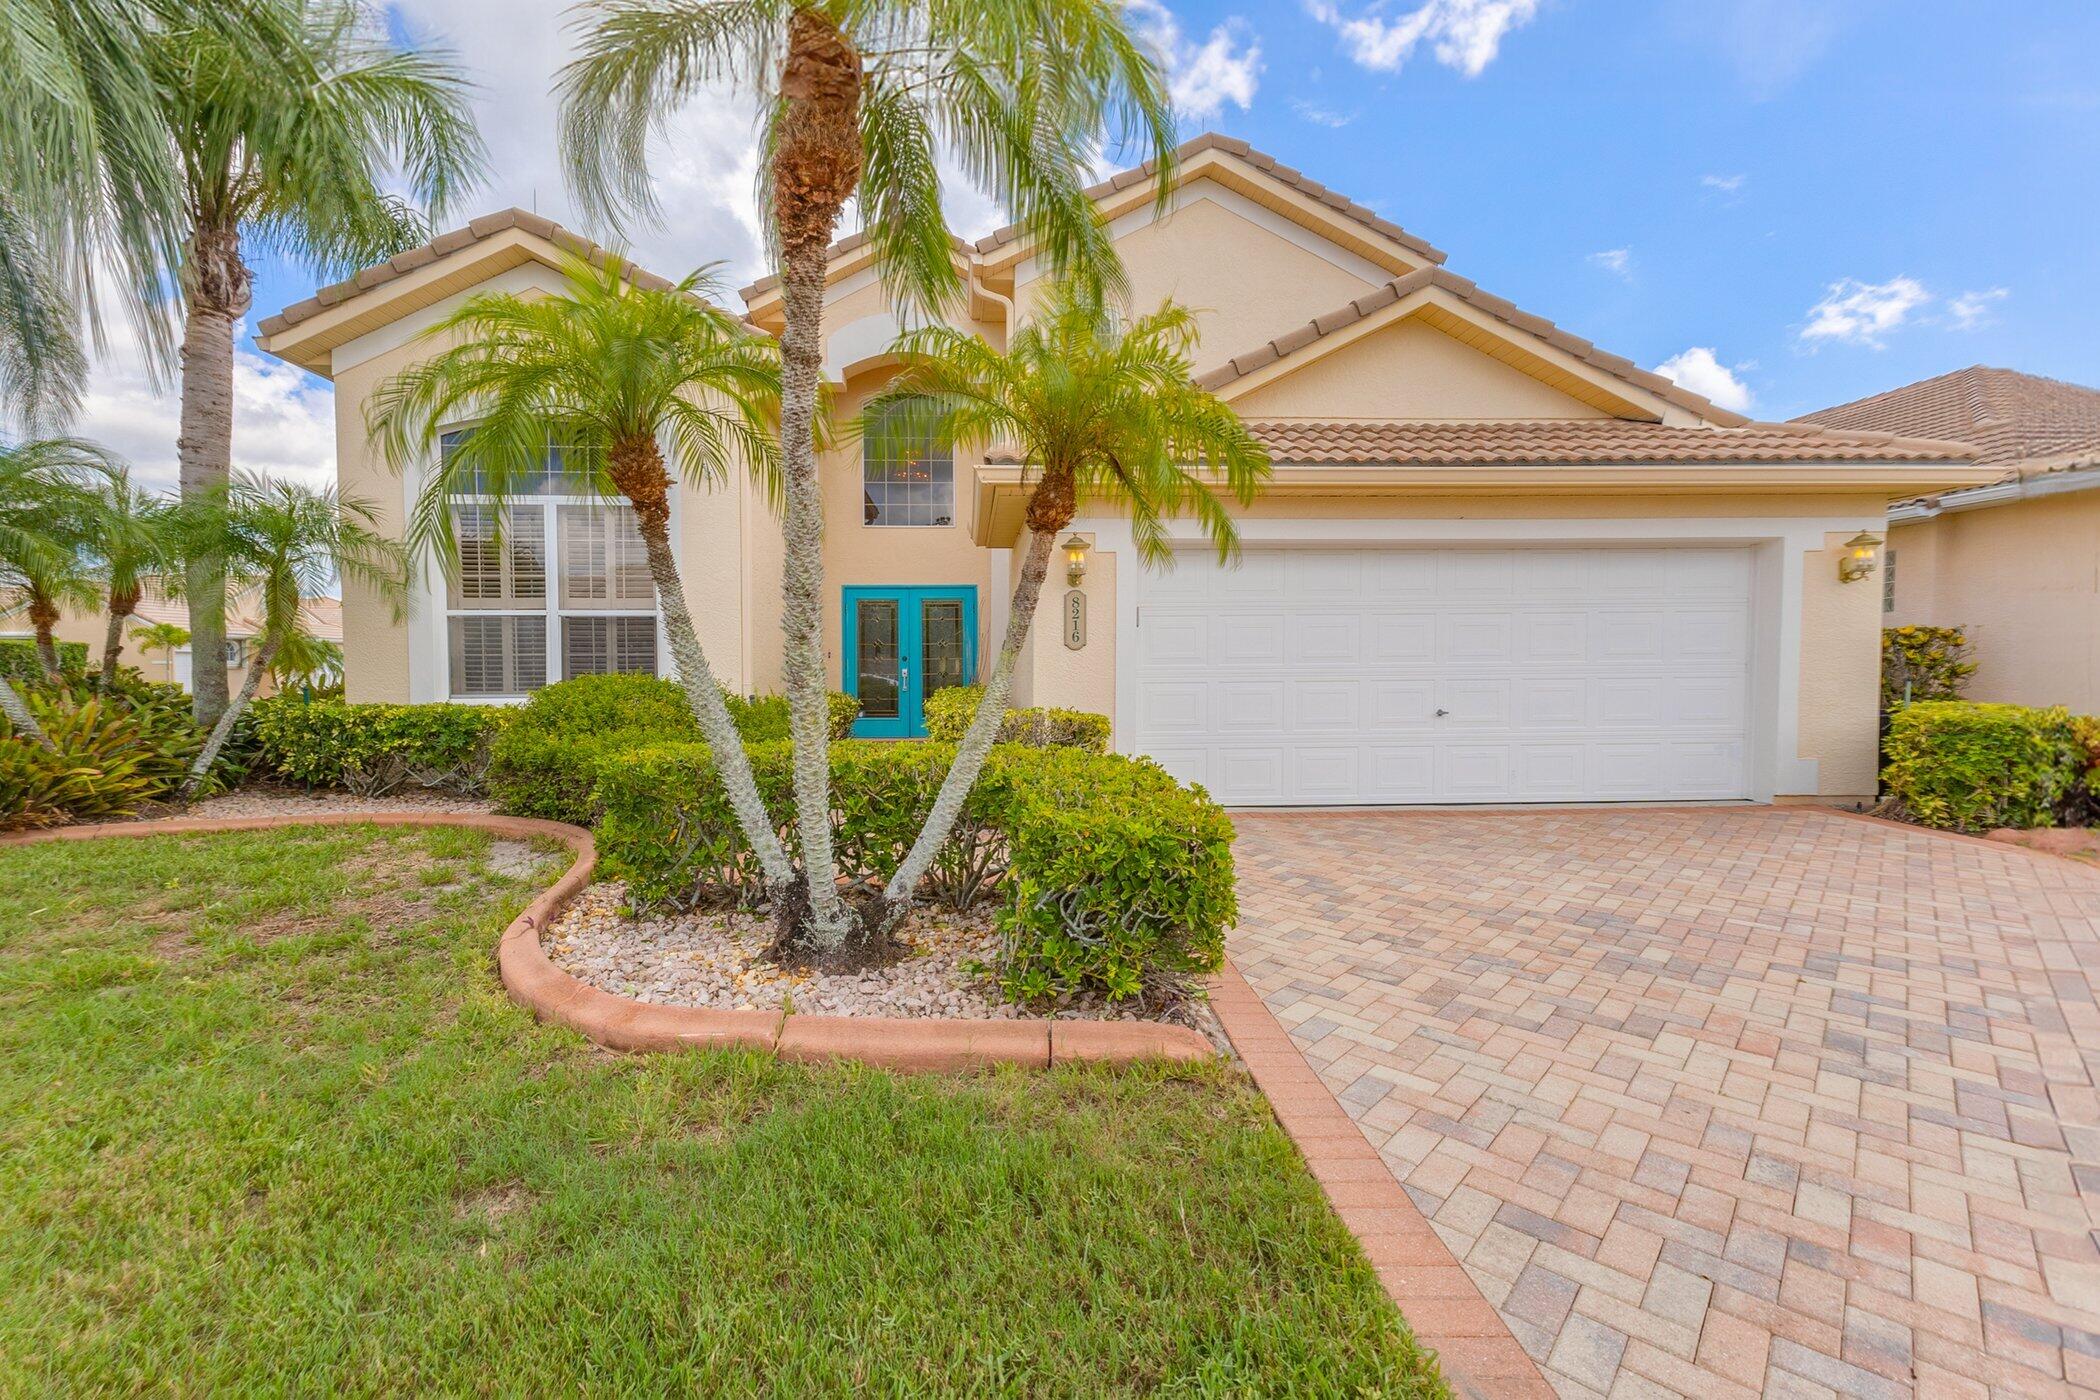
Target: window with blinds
x=502, y=560
x=596, y=646
x=499, y=655
x=603, y=564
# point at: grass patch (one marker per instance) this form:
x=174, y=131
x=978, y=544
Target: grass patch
x=267, y=1117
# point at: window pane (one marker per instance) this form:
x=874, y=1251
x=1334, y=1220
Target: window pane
x=877, y=619
x=603, y=561
x=596, y=646
x=498, y=655
x=941, y=645
x=536, y=478
x=499, y=567
x=906, y=482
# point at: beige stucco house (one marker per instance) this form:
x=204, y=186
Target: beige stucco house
x=321, y=618
x=1497, y=564
x=2016, y=561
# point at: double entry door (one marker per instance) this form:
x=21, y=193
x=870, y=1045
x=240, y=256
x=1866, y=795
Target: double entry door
x=902, y=645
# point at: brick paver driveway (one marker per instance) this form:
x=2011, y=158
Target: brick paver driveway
x=1715, y=1102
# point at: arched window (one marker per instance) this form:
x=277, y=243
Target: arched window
x=906, y=480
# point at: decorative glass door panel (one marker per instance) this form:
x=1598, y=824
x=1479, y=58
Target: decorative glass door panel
x=902, y=645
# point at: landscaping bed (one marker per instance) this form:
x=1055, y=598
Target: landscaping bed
x=716, y=959
x=268, y=1113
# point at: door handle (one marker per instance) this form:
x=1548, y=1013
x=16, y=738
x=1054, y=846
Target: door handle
x=1441, y=713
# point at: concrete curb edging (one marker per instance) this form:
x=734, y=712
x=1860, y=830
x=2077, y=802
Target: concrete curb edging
x=617, y=1023
x=1478, y=1353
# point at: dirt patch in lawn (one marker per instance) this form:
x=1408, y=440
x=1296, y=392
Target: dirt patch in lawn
x=493, y=1203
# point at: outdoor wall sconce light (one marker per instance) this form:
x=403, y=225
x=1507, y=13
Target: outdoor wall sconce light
x=1858, y=560
x=1075, y=559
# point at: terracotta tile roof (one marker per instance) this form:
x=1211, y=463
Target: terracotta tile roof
x=2028, y=424
x=1124, y=179
x=1618, y=366
x=487, y=226
x=1584, y=441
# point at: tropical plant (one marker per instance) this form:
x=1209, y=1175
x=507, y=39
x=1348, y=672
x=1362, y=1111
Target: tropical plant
x=305, y=659
x=164, y=637
x=43, y=566
x=858, y=101
x=1923, y=663
x=1096, y=409
x=131, y=536
x=292, y=142
x=105, y=756
x=617, y=369
x=289, y=541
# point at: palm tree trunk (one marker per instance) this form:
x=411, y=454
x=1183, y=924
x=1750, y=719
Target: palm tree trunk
x=216, y=294
x=228, y=718
x=637, y=471
x=43, y=619
x=977, y=740
x=18, y=714
x=816, y=166
x=121, y=605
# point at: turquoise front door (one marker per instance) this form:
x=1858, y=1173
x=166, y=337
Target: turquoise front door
x=902, y=645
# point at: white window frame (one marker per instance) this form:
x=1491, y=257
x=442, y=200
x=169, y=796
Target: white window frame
x=552, y=610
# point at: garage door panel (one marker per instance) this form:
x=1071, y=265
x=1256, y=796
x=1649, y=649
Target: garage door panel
x=1312, y=675
x=1249, y=707
x=1324, y=639
x=1250, y=639
x=1329, y=707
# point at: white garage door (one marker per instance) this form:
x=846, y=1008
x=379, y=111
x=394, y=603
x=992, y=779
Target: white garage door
x=1308, y=676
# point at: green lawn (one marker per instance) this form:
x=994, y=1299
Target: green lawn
x=267, y=1121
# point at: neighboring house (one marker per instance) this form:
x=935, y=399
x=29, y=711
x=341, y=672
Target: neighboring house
x=2016, y=561
x=319, y=617
x=1496, y=564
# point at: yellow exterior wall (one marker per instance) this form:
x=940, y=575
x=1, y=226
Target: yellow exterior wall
x=1413, y=371
x=375, y=645
x=1840, y=696
x=2024, y=579
x=1245, y=284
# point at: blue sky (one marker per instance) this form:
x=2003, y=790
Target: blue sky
x=1827, y=197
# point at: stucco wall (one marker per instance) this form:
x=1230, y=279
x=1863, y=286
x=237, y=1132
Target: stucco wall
x=1413, y=371
x=1840, y=675
x=2024, y=579
x=375, y=645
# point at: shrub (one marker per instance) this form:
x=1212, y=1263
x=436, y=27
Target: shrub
x=949, y=712
x=1109, y=876
x=1923, y=663
x=19, y=662
x=1973, y=767
x=374, y=749
x=546, y=763
x=111, y=758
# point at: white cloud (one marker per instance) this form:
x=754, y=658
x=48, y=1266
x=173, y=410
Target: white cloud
x=1973, y=309
x=1726, y=184
x=1464, y=34
x=1202, y=78
x=1321, y=116
x=1616, y=261
x=1699, y=370
x=283, y=418
x=1861, y=313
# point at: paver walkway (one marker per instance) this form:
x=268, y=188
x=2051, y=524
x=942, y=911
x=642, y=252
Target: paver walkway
x=1715, y=1102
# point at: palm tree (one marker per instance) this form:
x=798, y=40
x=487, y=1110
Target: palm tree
x=289, y=142
x=44, y=496
x=858, y=101
x=131, y=534
x=305, y=659
x=164, y=637
x=1098, y=410
x=290, y=541
x=618, y=369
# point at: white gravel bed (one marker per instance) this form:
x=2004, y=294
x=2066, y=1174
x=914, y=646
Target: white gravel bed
x=717, y=960
x=270, y=801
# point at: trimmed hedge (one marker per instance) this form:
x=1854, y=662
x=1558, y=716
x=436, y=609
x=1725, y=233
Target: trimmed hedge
x=545, y=764
x=1109, y=876
x=374, y=749
x=20, y=663
x=949, y=712
x=1967, y=766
